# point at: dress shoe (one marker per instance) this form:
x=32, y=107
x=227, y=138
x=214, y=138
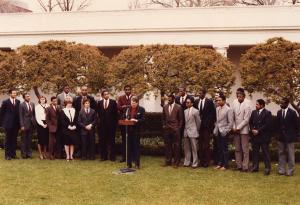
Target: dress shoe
x=8, y=158
x=281, y=173
x=122, y=160
x=194, y=167
x=254, y=170
x=238, y=169
x=267, y=172
x=15, y=157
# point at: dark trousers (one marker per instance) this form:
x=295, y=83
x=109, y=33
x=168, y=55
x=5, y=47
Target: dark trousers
x=11, y=142
x=215, y=153
x=59, y=145
x=26, y=143
x=172, y=143
x=223, y=151
x=51, y=143
x=77, y=145
x=88, y=146
x=123, y=145
x=107, y=143
x=266, y=155
x=133, y=149
x=204, y=146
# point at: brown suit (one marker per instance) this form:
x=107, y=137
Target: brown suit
x=123, y=104
x=51, y=120
x=172, y=123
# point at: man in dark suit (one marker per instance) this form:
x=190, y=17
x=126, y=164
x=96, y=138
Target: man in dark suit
x=260, y=121
x=181, y=98
x=207, y=113
x=172, y=124
x=288, y=123
x=108, y=115
x=123, y=105
x=78, y=105
x=27, y=123
x=10, y=122
x=52, y=113
x=87, y=121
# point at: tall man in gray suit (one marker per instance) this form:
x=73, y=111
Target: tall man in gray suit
x=62, y=96
x=172, y=124
x=191, y=133
x=222, y=130
x=27, y=123
x=242, y=112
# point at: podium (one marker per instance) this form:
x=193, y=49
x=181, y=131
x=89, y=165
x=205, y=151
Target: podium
x=126, y=123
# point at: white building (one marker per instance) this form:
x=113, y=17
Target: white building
x=230, y=30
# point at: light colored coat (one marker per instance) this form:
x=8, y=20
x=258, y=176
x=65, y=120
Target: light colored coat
x=242, y=112
x=224, y=121
x=192, y=123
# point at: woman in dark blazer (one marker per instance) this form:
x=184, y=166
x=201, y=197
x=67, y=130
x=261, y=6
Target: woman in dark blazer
x=68, y=128
x=136, y=114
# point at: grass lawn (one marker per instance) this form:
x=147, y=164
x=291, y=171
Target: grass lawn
x=35, y=181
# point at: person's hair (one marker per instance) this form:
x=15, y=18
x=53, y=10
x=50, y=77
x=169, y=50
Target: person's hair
x=203, y=89
x=171, y=96
x=52, y=98
x=191, y=99
x=285, y=100
x=23, y=95
x=127, y=86
x=135, y=99
x=66, y=85
x=67, y=101
x=103, y=91
x=222, y=96
x=39, y=101
x=261, y=102
x=86, y=100
x=11, y=90
x=241, y=90
x=182, y=87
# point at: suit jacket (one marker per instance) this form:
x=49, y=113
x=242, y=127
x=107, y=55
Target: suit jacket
x=208, y=115
x=122, y=100
x=65, y=122
x=224, y=121
x=108, y=118
x=288, y=126
x=174, y=120
x=177, y=101
x=77, y=104
x=261, y=123
x=85, y=119
x=27, y=117
x=192, y=123
x=241, y=112
x=61, y=98
x=52, y=118
x=9, y=114
x=134, y=130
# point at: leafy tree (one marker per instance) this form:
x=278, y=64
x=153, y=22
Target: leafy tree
x=274, y=69
x=50, y=65
x=163, y=68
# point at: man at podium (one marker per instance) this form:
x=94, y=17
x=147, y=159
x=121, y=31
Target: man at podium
x=132, y=119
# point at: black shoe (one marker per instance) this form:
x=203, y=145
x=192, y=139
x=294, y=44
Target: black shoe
x=83, y=158
x=8, y=158
x=267, y=172
x=15, y=157
x=244, y=170
x=254, y=170
x=281, y=173
x=103, y=159
x=122, y=160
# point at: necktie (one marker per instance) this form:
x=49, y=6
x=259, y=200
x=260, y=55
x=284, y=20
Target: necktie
x=283, y=114
x=105, y=104
x=170, y=109
x=29, y=106
x=182, y=100
x=87, y=111
x=201, y=107
x=14, y=102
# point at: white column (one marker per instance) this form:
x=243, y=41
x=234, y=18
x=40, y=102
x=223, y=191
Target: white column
x=221, y=49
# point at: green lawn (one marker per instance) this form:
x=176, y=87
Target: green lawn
x=91, y=182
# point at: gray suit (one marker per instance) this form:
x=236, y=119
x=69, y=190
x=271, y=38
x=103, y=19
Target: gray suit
x=61, y=98
x=242, y=112
x=224, y=123
x=27, y=121
x=191, y=133
x=222, y=129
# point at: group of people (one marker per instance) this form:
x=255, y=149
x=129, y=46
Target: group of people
x=202, y=121
x=70, y=123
